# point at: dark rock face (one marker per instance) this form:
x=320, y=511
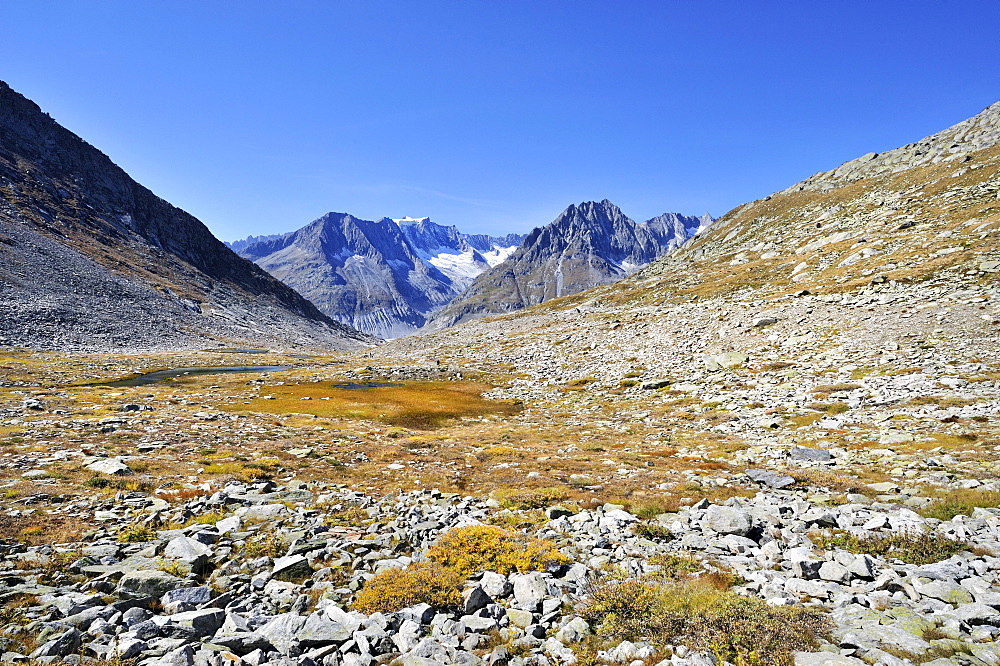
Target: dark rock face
x=588, y=245
x=242, y=244
x=90, y=259
x=383, y=277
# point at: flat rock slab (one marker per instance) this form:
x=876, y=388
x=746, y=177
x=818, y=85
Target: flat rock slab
x=111, y=466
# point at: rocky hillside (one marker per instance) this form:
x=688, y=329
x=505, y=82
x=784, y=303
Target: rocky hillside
x=587, y=245
x=928, y=209
x=90, y=259
x=383, y=277
x=890, y=268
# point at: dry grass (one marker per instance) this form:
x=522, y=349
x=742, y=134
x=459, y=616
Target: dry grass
x=418, y=405
x=40, y=528
x=960, y=502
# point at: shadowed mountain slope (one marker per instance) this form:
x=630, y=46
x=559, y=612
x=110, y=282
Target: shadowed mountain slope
x=90, y=259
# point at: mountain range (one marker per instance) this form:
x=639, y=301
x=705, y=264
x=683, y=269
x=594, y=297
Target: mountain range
x=91, y=259
x=382, y=277
x=589, y=244
x=392, y=277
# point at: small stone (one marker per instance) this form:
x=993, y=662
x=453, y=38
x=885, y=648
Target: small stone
x=655, y=384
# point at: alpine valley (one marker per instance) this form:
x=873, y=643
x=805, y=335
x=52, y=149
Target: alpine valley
x=767, y=439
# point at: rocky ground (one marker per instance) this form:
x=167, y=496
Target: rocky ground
x=808, y=452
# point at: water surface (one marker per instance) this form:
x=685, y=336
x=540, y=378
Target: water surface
x=363, y=385
x=164, y=375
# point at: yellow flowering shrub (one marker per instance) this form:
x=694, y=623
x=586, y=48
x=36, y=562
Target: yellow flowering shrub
x=424, y=582
x=488, y=547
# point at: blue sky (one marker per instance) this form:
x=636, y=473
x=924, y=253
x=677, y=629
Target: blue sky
x=258, y=117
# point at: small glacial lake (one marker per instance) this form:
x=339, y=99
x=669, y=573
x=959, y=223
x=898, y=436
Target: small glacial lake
x=363, y=385
x=164, y=375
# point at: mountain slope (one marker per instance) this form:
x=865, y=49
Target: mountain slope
x=360, y=272
x=923, y=210
x=587, y=245
x=90, y=259
x=861, y=305
x=381, y=277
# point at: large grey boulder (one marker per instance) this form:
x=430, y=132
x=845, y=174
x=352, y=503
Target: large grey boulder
x=282, y=631
x=574, y=631
x=62, y=645
x=319, y=630
x=189, y=552
x=204, y=622
x=825, y=659
x=810, y=455
x=110, y=466
x=727, y=520
x=291, y=567
x=148, y=583
x=185, y=599
x=769, y=478
x=529, y=590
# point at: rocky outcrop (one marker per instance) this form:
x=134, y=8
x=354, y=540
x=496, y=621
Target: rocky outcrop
x=90, y=259
x=587, y=245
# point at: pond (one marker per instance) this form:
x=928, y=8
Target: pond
x=363, y=385
x=164, y=375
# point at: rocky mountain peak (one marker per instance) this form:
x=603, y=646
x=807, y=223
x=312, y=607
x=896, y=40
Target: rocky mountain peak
x=588, y=244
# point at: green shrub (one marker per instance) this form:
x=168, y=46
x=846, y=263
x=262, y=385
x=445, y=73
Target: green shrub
x=425, y=582
x=268, y=544
x=488, y=547
x=674, y=566
x=741, y=630
x=961, y=502
x=136, y=534
x=653, y=531
x=912, y=547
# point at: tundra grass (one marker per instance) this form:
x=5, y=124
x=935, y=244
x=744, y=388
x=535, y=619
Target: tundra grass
x=421, y=405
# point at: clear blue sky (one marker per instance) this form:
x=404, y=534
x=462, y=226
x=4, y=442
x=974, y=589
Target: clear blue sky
x=258, y=117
